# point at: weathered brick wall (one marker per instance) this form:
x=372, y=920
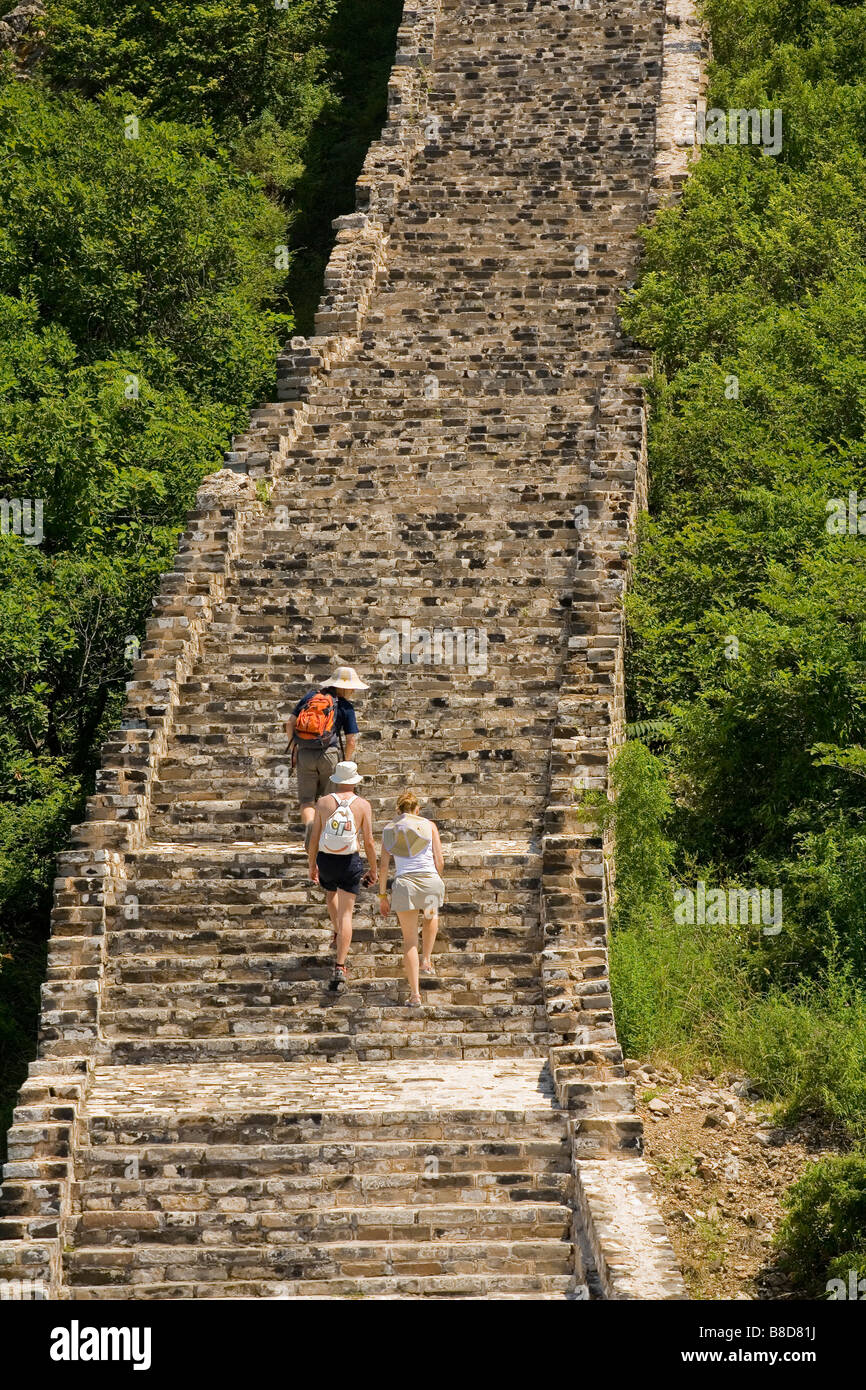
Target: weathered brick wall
x=627, y=1238
x=619, y=1230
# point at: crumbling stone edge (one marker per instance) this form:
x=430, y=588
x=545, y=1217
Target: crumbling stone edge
x=622, y=1247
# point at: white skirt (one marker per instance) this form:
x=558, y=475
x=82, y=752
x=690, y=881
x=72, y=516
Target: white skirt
x=424, y=892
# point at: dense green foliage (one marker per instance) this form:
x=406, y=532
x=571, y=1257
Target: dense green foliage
x=823, y=1236
x=240, y=64
x=703, y=993
x=642, y=850
x=141, y=309
x=296, y=93
x=748, y=613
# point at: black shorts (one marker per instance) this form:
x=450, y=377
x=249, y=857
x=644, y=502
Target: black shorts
x=340, y=871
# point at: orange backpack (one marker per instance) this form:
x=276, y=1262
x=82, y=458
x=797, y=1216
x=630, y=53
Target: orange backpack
x=317, y=720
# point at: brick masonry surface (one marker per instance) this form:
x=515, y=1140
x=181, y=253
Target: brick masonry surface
x=460, y=449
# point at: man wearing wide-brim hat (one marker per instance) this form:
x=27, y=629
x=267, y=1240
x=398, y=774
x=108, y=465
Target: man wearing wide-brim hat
x=320, y=731
x=343, y=821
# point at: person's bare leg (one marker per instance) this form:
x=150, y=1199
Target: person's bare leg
x=308, y=815
x=429, y=929
x=345, y=906
x=409, y=927
x=331, y=900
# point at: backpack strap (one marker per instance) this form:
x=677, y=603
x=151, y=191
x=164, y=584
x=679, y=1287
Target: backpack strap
x=293, y=741
x=337, y=729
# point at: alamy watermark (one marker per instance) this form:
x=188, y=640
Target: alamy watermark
x=407, y=645
x=22, y=516
x=838, y=1289
x=846, y=516
x=729, y=907
x=77, y=1343
x=736, y=126
x=23, y=1291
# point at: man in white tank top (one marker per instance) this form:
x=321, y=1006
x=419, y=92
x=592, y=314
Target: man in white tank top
x=342, y=819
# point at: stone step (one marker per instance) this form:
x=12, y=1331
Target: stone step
x=307, y=1131
x=471, y=796
x=478, y=669
x=276, y=816
x=507, y=640
x=192, y=935
x=248, y=969
x=302, y=1174
x=160, y=859
x=232, y=997
x=187, y=946
x=339, y=1098
x=320, y=1189
x=295, y=903
x=230, y=821
x=190, y=778
x=371, y=1046
x=220, y=1264
x=464, y=1286
x=187, y=772
x=412, y=700
x=356, y=1014
x=232, y=731
x=213, y=888
x=484, y=787
x=245, y=971
x=228, y=831
x=480, y=895
x=449, y=542
x=287, y=591
x=385, y=764
x=524, y=1221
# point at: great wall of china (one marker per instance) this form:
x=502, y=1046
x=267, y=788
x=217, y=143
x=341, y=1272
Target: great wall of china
x=203, y=1119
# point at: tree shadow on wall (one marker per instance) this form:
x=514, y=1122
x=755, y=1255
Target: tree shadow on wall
x=362, y=41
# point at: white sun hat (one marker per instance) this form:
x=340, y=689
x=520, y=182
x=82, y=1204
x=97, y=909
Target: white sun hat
x=345, y=678
x=346, y=775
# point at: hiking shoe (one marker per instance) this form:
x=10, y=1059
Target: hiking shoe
x=340, y=978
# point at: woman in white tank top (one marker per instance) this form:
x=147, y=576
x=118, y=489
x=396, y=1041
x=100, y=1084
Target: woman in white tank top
x=413, y=843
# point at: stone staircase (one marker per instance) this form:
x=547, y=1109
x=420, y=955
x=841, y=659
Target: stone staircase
x=253, y=1191
x=206, y=1119
x=224, y=953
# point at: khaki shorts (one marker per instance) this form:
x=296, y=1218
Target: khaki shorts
x=418, y=893
x=314, y=768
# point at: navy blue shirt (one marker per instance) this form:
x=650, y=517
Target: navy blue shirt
x=345, y=722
